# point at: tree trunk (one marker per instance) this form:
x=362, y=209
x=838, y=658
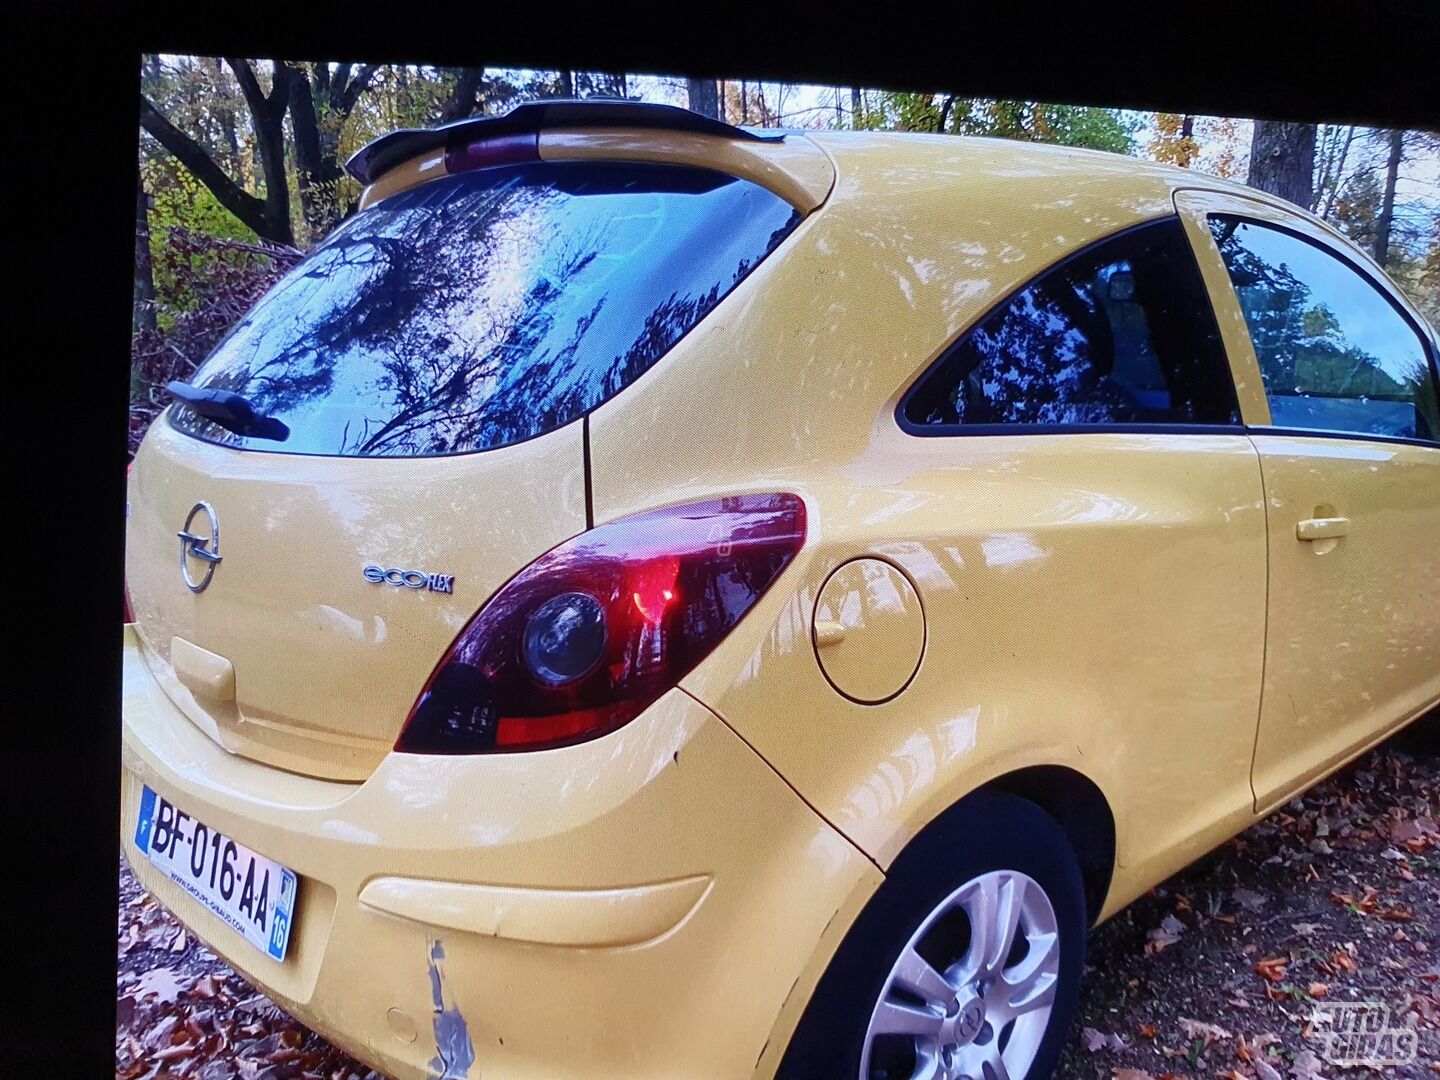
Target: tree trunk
x=316, y=202
x=143, y=314
x=316, y=115
x=945, y=113
x=1282, y=161
x=268, y=115
x=567, y=84
x=704, y=98
x=857, y=106
x=464, y=97
x=1396, y=140
x=270, y=138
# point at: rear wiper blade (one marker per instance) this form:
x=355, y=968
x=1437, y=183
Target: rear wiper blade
x=230, y=410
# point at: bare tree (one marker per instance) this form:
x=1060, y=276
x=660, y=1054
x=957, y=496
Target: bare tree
x=1335, y=150
x=225, y=116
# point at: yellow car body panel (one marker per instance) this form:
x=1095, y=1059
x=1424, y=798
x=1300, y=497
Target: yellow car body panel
x=920, y=237
x=661, y=901
x=585, y=857
x=1353, y=640
x=319, y=676
x=1353, y=645
x=1010, y=574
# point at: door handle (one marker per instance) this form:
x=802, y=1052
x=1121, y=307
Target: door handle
x=1328, y=528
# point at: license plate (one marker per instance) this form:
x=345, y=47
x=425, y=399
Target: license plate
x=252, y=894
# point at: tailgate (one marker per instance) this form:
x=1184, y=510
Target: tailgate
x=291, y=654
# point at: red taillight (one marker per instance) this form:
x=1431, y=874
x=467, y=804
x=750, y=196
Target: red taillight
x=517, y=149
x=588, y=635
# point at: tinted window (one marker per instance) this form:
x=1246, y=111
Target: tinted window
x=1122, y=333
x=485, y=308
x=1335, y=354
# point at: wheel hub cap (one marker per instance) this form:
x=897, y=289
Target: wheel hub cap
x=967, y=1022
x=970, y=995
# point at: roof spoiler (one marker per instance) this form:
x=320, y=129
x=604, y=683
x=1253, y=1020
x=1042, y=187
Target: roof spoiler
x=382, y=155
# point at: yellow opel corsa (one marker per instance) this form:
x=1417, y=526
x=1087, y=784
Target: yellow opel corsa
x=652, y=599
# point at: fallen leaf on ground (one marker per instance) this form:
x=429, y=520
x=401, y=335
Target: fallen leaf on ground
x=1249, y=899
x=1196, y=1029
x=1272, y=968
x=165, y=983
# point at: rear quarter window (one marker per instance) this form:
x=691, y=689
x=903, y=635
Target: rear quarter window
x=1121, y=333
x=483, y=309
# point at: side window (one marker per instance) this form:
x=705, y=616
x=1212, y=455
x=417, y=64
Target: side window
x=1122, y=333
x=1335, y=354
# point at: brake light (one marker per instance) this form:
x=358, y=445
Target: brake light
x=591, y=633
x=517, y=149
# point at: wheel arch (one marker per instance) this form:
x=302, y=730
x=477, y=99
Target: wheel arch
x=1080, y=808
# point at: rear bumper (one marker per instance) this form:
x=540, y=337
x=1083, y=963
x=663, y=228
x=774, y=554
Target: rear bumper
x=656, y=903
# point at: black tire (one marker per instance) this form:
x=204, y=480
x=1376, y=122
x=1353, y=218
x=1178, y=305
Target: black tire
x=1421, y=736
x=985, y=832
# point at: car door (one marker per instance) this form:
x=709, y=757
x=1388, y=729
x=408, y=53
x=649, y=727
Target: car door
x=1338, y=390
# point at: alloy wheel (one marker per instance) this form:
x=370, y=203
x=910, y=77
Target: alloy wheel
x=971, y=993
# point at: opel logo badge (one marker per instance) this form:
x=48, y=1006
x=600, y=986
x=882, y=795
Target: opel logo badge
x=195, y=546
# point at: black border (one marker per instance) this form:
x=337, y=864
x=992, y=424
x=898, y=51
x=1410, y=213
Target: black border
x=76, y=107
x=1346, y=436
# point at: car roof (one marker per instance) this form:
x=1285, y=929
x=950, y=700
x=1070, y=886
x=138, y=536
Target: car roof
x=1021, y=154
x=895, y=159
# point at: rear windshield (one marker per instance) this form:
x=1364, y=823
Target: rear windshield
x=483, y=309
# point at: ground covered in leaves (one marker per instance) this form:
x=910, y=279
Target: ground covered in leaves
x=1217, y=973
x=1335, y=898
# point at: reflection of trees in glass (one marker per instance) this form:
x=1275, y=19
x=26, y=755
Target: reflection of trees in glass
x=481, y=310
x=1299, y=340
x=1120, y=334
x=1036, y=363
x=1272, y=298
